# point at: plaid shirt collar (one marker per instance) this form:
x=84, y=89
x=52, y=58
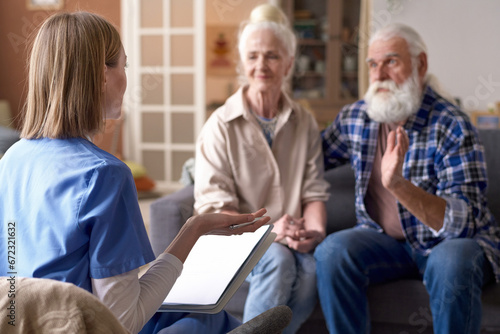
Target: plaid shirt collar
x=420, y=119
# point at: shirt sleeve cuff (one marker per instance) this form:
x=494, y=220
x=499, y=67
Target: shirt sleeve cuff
x=455, y=218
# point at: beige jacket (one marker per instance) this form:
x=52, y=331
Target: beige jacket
x=236, y=168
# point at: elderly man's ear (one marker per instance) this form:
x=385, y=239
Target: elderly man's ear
x=422, y=65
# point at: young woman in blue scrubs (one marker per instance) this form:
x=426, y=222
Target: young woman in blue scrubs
x=74, y=205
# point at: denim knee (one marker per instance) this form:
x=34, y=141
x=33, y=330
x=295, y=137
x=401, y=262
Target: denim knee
x=454, y=268
x=278, y=260
x=334, y=245
x=454, y=277
x=454, y=258
x=307, y=263
x=332, y=255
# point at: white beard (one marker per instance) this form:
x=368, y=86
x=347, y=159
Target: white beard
x=397, y=104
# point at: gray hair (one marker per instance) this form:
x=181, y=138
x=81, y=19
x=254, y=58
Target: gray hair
x=267, y=17
x=416, y=44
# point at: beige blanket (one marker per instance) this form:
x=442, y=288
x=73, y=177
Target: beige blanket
x=34, y=305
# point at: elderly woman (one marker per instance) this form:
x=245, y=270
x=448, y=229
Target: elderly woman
x=261, y=149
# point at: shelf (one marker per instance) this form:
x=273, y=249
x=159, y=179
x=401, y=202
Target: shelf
x=349, y=45
x=310, y=94
x=350, y=74
x=309, y=74
x=311, y=42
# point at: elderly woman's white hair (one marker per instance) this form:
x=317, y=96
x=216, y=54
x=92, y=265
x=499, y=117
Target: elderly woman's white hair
x=267, y=16
x=416, y=46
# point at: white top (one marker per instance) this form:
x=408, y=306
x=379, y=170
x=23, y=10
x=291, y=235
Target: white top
x=135, y=300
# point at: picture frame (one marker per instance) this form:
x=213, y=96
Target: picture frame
x=485, y=120
x=221, y=51
x=44, y=4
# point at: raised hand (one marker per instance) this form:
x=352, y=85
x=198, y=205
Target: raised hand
x=426, y=207
x=393, y=158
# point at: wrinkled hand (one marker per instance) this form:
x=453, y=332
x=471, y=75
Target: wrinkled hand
x=305, y=241
x=219, y=223
x=393, y=159
x=286, y=226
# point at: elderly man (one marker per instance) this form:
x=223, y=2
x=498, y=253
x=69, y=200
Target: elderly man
x=420, y=204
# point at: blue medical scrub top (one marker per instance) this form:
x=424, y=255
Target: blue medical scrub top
x=75, y=212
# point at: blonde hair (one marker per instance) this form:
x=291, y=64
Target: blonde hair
x=267, y=16
x=66, y=76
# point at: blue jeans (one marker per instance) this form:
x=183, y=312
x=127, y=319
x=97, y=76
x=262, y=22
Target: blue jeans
x=188, y=323
x=349, y=261
x=282, y=277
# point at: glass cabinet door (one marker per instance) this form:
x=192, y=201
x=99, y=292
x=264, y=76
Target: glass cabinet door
x=326, y=63
x=349, y=50
x=310, y=22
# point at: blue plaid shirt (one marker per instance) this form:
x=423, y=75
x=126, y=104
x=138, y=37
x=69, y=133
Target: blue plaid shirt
x=445, y=158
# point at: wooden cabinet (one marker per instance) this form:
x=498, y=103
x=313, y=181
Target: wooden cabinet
x=326, y=62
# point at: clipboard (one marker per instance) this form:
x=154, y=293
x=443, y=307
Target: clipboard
x=214, y=269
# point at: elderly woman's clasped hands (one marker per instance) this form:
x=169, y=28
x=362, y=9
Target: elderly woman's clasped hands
x=292, y=231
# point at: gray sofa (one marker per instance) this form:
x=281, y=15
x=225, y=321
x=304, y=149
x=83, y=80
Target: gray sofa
x=397, y=307
x=8, y=137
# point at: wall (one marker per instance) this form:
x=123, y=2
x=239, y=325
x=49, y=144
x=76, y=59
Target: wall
x=17, y=25
x=460, y=34
x=225, y=15
x=462, y=41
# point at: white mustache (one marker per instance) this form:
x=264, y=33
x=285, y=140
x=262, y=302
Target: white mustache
x=390, y=85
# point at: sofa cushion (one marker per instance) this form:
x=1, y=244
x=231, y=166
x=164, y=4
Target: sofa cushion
x=340, y=206
x=491, y=141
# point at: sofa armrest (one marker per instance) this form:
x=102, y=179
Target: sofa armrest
x=8, y=137
x=167, y=215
